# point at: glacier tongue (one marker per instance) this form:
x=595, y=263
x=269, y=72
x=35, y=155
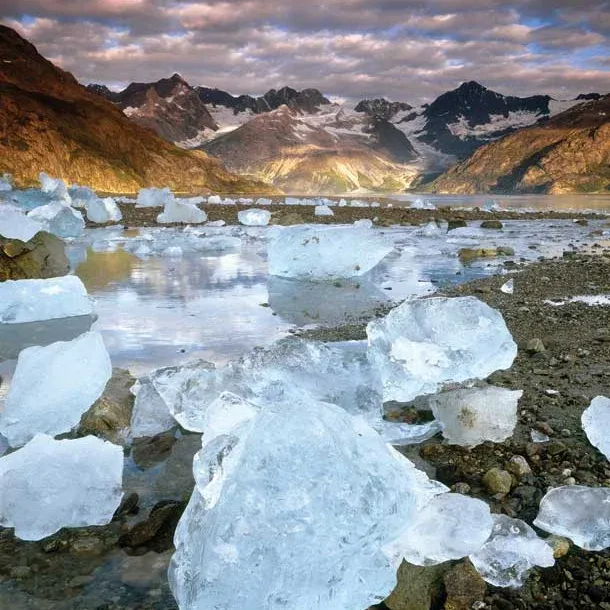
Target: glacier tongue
x=53, y=386
x=59, y=219
x=51, y=484
x=290, y=511
x=425, y=343
x=325, y=252
x=511, y=551
x=32, y=300
x=579, y=513
x=596, y=424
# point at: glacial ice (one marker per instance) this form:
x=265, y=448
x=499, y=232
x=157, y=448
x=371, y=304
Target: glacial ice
x=14, y=224
x=153, y=197
x=579, y=513
x=323, y=210
x=53, y=386
x=260, y=201
x=81, y=195
x=215, y=199
x=596, y=423
x=425, y=343
x=291, y=510
x=150, y=415
x=59, y=219
x=325, y=252
x=472, y=416
x=422, y=204
x=512, y=549
x=103, y=210
x=254, y=217
x=450, y=526
x=6, y=183
x=51, y=484
x=508, y=287
x=181, y=211
x=55, y=188
x=31, y=300
x=364, y=223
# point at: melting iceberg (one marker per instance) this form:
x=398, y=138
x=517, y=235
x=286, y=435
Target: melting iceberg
x=153, y=197
x=181, y=211
x=579, y=513
x=53, y=386
x=325, y=252
x=254, y=217
x=14, y=224
x=81, y=195
x=425, y=343
x=291, y=510
x=55, y=188
x=511, y=551
x=51, y=484
x=59, y=219
x=472, y=416
x=32, y=300
x=596, y=424
x=103, y=210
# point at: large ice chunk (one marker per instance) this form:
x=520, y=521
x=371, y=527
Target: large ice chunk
x=425, y=343
x=254, y=217
x=579, y=513
x=153, y=197
x=60, y=219
x=14, y=224
x=6, y=182
x=323, y=210
x=55, y=188
x=103, y=210
x=472, y=416
x=325, y=252
x=181, y=211
x=51, y=484
x=596, y=424
x=53, y=386
x=81, y=195
x=150, y=415
x=449, y=527
x=510, y=552
x=31, y=300
x=291, y=510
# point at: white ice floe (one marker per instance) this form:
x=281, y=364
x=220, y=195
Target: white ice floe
x=150, y=415
x=60, y=219
x=325, y=252
x=181, y=211
x=254, y=217
x=511, y=551
x=51, y=484
x=595, y=422
x=153, y=197
x=32, y=300
x=425, y=343
x=579, y=513
x=103, y=210
x=14, y=224
x=323, y=210
x=310, y=491
x=472, y=416
x=53, y=386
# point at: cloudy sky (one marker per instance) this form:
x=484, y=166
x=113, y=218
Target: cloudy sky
x=409, y=50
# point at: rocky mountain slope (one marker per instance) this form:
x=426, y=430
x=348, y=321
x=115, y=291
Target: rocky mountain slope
x=49, y=122
x=568, y=153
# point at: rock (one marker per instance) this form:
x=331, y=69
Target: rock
x=87, y=546
x=464, y=587
x=518, y=466
x=535, y=346
x=286, y=219
x=149, y=451
x=492, y=224
x=417, y=587
x=456, y=224
x=109, y=416
x=157, y=531
x=561, y=546
x=467, y=255
x=498, y=481
x=41, y=257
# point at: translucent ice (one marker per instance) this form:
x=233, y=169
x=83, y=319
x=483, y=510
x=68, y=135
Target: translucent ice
x=325, y=252
x=103, y=210
x=510, y=552
x=449, y=526
x=323, y=210
x=290, y=512
x=179, y=211
x=508, y=287
x=425, y=343
x=62, y=220
x=472, y=416
x=54, y=187
x=579, y=513
x=150, y=415
x=51, y=484
x=153, y=197
x=596, y=423
x=365, y=223
x=53, y=386
x=422, y=204
x=14, y=224
x=254, y=217
x=81, y=195
x=31, y=300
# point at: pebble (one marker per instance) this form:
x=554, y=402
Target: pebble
x=518, y=466
x=498, y=481
x=535, y=346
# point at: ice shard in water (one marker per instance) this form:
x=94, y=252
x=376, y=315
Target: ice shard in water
x=426, y=343
x=53, y=386
x=33, y=300
x=290, y=511
x=511, y=551
x=596, y=424
x=325, y=252
x=51, y=484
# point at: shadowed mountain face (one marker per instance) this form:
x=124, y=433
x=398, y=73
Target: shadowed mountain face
x=568, y=153
x=51, y=123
